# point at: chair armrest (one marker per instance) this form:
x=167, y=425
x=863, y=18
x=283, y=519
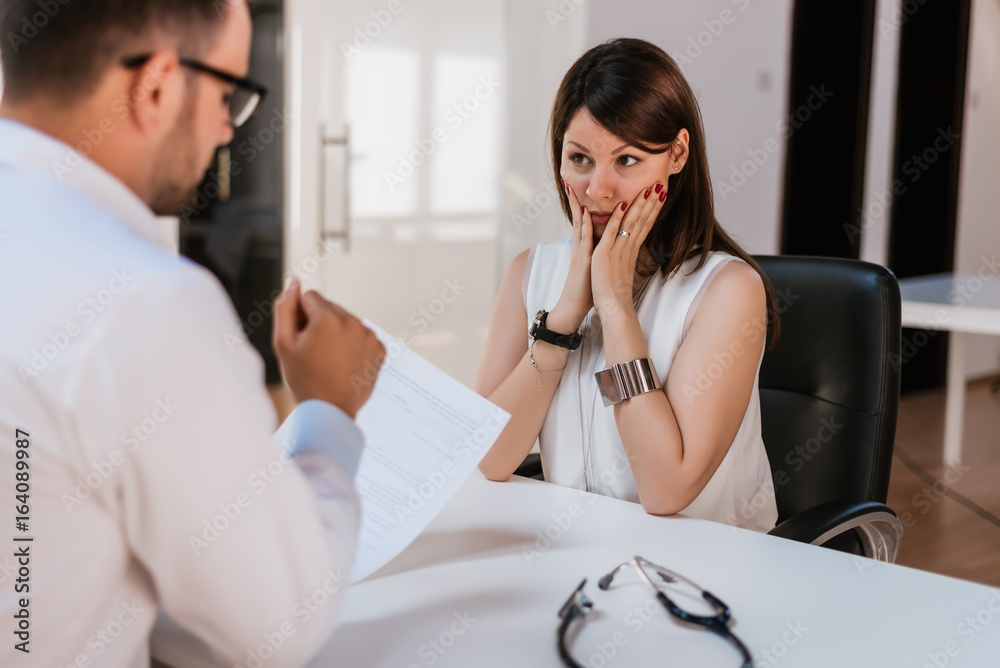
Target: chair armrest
x=877, y=526
x=531, y=467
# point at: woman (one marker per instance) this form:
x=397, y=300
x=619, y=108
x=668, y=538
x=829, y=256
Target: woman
x=651, y=288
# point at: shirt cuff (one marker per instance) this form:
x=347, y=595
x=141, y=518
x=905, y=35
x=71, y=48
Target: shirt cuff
x=319, y=426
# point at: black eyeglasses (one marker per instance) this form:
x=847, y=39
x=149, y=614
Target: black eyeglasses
x=692, y=611
x=245, y=99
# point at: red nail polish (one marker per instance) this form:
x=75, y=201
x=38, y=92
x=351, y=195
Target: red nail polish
x=659, y=187
x=663, y=196
x=646, y=196
x=583, y=209
x=562, y=182
x=624, y=205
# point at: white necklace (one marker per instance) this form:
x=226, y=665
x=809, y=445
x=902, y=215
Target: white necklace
x=585, y=329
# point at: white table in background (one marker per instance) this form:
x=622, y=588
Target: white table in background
x=475, y=590
x=959, y=304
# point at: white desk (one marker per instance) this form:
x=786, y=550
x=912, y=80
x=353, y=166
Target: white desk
x=466, y=585
x=960, y=304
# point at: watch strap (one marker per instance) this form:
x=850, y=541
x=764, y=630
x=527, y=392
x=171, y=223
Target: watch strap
x=540, y=332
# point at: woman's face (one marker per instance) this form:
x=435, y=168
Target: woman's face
x=605, y=171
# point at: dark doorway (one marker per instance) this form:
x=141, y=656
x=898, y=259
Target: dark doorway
x=934, y=37
x=827, y=126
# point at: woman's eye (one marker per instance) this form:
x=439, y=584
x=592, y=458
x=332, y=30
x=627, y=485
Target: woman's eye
x=627, y=160
x=578, y=159
x=227, y=98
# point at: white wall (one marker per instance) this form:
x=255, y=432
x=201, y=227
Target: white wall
x=543, y=39
x=978, y=225
x=735, y=55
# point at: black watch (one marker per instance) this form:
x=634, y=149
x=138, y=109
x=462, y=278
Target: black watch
x=540, y=333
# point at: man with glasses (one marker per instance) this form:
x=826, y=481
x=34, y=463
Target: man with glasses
x=136, y=444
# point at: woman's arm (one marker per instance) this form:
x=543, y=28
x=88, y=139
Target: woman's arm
x=507, y=378
x=677, y=438
x=506, y=375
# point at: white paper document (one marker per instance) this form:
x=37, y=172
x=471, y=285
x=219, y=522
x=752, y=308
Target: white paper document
x=424, y=433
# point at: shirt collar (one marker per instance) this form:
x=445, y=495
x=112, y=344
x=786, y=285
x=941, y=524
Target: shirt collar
x=22, y=146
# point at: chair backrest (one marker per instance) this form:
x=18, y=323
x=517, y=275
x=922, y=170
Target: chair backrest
x=829, y=389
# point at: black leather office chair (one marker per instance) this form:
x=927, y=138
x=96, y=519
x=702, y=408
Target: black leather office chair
x=829, y=394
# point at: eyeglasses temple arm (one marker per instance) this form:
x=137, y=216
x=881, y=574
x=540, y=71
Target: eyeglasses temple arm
x=720, y=628
x=564, y=654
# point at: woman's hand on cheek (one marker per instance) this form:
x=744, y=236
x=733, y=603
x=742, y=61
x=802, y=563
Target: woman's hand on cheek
x=614, y=259
x=577, y=296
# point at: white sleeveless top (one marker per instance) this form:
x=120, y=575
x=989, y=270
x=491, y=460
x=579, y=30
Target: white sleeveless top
x=578, y=426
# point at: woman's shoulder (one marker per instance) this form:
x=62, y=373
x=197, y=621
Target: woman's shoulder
x=734, y=281
x=714, y=259
x=722, y=277
x=696, y=269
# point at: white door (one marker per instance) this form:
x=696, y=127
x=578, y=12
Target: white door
x=396, y=156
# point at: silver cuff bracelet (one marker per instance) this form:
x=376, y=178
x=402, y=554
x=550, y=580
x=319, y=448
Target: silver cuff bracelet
x=624, y=381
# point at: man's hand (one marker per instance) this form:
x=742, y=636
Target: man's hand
x=325, y=352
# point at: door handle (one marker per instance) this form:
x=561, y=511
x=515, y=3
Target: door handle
x=344, y=232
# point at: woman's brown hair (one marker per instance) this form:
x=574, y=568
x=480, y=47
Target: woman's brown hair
x=637, y=92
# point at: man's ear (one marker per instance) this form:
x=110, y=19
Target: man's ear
x=156, y=92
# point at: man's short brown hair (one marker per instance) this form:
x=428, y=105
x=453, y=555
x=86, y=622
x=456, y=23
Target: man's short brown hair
x=61, y=49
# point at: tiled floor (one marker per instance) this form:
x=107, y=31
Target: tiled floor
x=942, y=535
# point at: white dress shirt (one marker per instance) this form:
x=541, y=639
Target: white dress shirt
x=156, y=481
